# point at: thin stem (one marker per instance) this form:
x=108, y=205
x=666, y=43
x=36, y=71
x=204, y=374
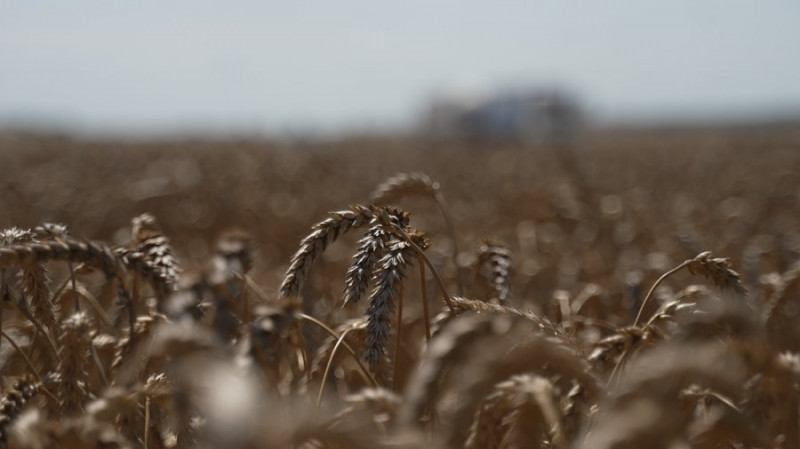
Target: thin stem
x=653, y=288
x=101, y=313
x=146, y=421
x=618, y=366
x=131, y=315
x=59, y=290
x=96, y=359
x=329, y=365
x=303, y=352
x=440, y=201
x=424, y=288
x=74, y=287
x=30, y=364
x=245, y=299
x=50, y=343
x=349, y=349
x=262, y=295
x=397, y=337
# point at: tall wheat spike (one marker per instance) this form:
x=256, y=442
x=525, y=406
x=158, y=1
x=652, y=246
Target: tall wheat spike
x=324, y=233
x=148, y=247
x=515, y=351
x=370, y=250
x=503, y=410
x=11, y=405
x=404, y=184
x=494, y=262
x=388, y=286
x=74, y=354
x=34, y=283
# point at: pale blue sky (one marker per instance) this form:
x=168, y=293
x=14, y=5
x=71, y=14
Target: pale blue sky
x=260, y=65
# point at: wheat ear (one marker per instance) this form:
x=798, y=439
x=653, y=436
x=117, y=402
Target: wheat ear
x=494, y=260
x=534, y=353
x=74, y=354
x=444, y=350
x=404, y=184
x=11, y=405
x=715, y=268
x=35, y=302
x=524, y=403
x=389, y=283
x=323, y=234
x=36, y=289
x=370, y=250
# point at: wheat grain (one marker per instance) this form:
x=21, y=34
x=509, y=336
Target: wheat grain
x=11, y=405
x=388, y=285
x=494, y=262
x=718, y=270
x=312, y=246
x=370, y=250
x=74, y=355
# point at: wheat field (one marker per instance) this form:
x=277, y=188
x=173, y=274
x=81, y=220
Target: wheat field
x=633, y=290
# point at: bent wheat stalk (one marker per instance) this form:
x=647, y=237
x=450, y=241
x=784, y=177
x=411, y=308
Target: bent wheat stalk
x=312, y=246
x=404, y=184
x=349, y=349
x=717, y=269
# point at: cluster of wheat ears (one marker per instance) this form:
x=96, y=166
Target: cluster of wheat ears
x=111, y=346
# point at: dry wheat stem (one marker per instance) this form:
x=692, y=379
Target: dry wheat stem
x=98, y=364
x=146, y=422
x=333, y=334
x=653, y=288
x=328, y=366
x=716, y=269
x=445, y=348
x=424, y=289
x=19, y=302
x=28, y=362
x=397, y=337
x=98, y=309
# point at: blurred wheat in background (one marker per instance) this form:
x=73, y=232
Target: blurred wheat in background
x=558, y=298
x=435, y=224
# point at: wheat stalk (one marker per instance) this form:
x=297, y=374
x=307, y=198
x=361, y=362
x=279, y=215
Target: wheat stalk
x=717, y=269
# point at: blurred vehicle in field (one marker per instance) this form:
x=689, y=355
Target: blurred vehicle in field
x=529, y=116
